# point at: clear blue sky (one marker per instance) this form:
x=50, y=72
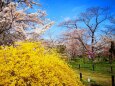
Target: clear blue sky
x=59, y=10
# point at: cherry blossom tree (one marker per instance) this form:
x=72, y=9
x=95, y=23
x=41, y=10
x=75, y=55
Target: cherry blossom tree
x=29, y=3
x=109, y=37
x=74, y=38
x=90, y=20
x=93, y=18
x=17, y=24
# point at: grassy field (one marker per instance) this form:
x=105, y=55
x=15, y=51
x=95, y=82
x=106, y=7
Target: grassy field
x=101, y=76
x=97, y=79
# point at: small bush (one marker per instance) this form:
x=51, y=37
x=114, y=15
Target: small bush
x=30, y=64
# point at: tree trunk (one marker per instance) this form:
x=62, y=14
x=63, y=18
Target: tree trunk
x=92, y=46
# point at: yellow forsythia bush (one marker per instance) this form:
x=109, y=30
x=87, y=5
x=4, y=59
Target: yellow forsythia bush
x=30, y=64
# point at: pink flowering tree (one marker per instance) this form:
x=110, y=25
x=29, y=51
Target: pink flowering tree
x=17, y=23
x=74, y=38
x=91, y=20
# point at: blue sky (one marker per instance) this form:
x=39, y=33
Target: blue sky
x=59, y=10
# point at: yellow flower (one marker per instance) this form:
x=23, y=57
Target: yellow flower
x=29, y=63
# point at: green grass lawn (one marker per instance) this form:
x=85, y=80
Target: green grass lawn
x=96, y=78
x=101, y=75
